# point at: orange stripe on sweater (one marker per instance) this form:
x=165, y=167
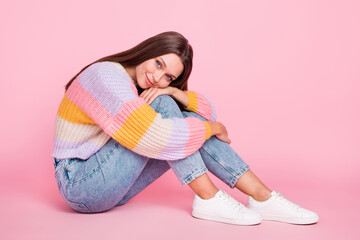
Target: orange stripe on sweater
x=193, y=101
x=72, y=113
x=135, y=126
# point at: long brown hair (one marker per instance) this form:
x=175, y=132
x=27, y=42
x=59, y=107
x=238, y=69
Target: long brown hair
x=163, y=43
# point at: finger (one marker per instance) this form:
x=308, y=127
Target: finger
x=221, y=138
x=143, y=93
x=146, y=95
x=226, y=139
x=147, y=91
x=151, y=96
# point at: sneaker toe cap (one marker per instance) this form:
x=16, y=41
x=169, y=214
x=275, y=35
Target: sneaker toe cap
x=250, y=214
x=309, y=216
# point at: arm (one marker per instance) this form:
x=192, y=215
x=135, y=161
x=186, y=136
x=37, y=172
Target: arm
x=196, y=102
x=192, y=101
x=219, y=130
x=180, y=96
x=105, y=94
x=202, y=105
x=206, y=108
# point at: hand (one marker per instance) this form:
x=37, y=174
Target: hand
x=218, y=129
x=151, y=93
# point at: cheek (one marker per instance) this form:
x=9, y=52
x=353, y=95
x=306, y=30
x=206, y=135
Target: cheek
x=149, y=68
x=140, y=71
x=164, y=84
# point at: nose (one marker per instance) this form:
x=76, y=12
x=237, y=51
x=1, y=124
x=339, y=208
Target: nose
x=158, y=75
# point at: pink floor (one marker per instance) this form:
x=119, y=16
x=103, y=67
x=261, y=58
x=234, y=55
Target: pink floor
x=163, y=211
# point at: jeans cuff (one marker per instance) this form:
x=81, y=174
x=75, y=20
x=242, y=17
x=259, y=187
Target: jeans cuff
x=194, y=175
x=238, y=175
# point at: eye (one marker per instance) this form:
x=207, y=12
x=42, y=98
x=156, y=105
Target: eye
x=169, y=77
x=158, y=63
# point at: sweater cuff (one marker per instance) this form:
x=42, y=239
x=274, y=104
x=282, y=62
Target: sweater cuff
x=192, y=101
x=208, y=130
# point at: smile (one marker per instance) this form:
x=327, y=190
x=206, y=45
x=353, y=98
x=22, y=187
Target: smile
x=148, y=80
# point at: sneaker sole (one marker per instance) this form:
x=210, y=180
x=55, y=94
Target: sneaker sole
x=291, y=220
x=225, y=220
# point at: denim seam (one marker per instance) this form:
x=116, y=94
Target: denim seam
x=71, y=164
x=194, y=175
x=217, y=159
x=94, y=170
x=237, y=176
x=72, y=202
x=231, y=171
x=60, y=170
x=82, y=205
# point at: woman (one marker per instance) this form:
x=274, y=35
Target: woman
x=122, y=123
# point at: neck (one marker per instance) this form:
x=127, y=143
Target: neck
x=131, y=72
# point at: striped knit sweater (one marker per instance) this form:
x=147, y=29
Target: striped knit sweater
x=103, y=103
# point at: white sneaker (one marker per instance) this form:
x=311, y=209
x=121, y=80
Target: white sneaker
x=225, y=209
x=278, y=208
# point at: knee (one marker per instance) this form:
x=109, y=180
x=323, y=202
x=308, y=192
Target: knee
x=166, y=106
x=163, y=101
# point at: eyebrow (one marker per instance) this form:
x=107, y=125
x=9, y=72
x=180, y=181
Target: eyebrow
x=165, y=67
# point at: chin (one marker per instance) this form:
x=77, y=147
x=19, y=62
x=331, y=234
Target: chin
x=142, y=87
x=141, y=84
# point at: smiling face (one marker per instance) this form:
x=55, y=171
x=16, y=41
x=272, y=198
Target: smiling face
x=159, y=71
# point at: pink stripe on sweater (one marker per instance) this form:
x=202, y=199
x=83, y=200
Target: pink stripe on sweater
x=133, y=87
x=193, y=146
x=128, y=108
x=84, y=100
x=204, y=108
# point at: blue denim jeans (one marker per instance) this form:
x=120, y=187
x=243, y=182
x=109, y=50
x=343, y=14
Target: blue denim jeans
x=115, y=174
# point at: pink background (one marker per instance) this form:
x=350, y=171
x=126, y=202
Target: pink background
x=284, y=77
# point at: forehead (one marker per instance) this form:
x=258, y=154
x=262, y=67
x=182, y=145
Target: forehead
x=173, y=63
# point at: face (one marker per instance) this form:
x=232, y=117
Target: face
x=159, y=71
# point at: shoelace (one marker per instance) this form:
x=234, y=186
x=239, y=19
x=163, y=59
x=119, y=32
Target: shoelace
x=287, y=202
x=231, y=201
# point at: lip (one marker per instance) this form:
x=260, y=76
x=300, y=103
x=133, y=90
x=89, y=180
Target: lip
x=148, y=80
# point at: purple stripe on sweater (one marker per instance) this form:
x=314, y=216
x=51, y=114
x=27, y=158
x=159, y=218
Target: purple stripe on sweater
x=83, y=150
x=108, y=84
x=175, y=138
x=63, y=144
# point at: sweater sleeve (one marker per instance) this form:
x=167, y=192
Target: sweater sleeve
x=106, y=94
x=201, y=105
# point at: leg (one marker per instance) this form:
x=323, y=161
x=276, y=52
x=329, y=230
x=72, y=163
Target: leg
x=155, y=169
x=152, y=171
x=98, y=183
x=191, y=170
x=251, y=185
x=209, y=202
x=226, y=164
x=115, y=174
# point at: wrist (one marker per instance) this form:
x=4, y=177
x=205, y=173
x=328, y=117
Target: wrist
x=214, y=126
x=172, y=91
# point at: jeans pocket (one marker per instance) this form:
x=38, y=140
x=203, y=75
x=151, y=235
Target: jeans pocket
x=59, y=167
x=71, y=168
